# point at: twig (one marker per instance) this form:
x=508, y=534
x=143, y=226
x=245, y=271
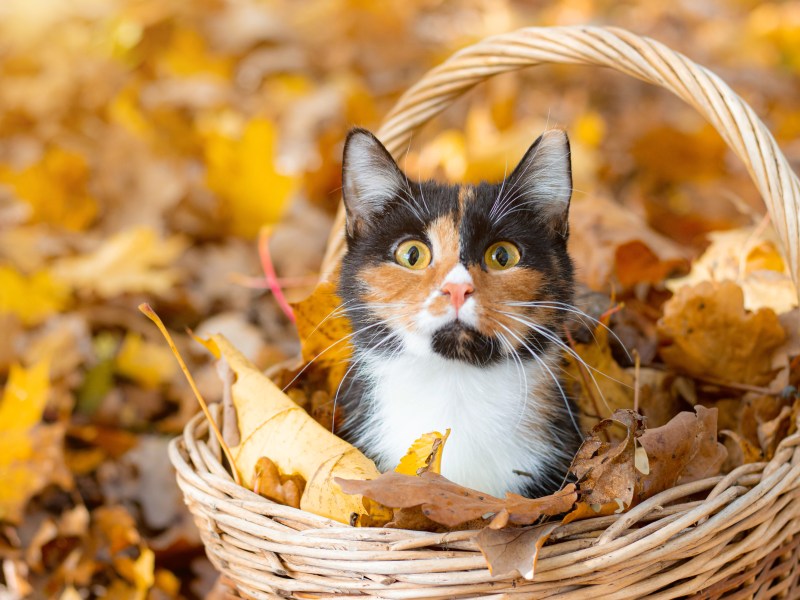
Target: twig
x=151, y=314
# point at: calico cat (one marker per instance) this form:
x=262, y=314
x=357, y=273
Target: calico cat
x=457, y=295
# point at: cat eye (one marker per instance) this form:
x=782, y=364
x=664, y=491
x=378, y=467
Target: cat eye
x=413, y=254
x=501, y=256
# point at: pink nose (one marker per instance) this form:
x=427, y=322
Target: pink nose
x=458, y=293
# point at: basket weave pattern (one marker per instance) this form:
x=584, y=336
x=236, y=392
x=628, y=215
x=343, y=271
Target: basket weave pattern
x=733, y=536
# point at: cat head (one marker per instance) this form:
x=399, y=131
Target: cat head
x=473, y=273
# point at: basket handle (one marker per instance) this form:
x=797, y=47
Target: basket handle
x=623, y=51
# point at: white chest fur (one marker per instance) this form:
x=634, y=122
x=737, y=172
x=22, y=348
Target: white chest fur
x=495, y=419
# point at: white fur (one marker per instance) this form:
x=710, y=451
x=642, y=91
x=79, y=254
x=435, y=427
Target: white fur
x=492, y=414
x=369, y=179
x=547, y=174
x=458, y=274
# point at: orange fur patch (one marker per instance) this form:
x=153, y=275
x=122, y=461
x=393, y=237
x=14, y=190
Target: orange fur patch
x=391, y=283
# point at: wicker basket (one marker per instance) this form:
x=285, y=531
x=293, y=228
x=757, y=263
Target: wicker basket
x=742, y=540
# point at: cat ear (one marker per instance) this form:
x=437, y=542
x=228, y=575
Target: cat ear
x=543, y=179
x=370, y=178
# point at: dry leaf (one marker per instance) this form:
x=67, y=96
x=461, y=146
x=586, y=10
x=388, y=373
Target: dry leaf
x=450, y=504
x=605, y=226
x=31, y=453
x=32, y=298
x=606, y=471
x=147, y=363
x=513, y=552
x=424, y=455
x=751, y=257
x=55, y=189
x=324, y=332
x=707, y=333
x=283, y=489
x=135, y=260
x=683, y=450
x=271, y=424
x=241, y=172
x=604, y=386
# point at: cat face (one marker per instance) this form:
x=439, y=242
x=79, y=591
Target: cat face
x=471, y=273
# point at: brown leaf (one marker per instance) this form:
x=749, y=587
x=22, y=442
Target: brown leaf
x=707, y=332
x=513, y=552
x=606, y=471
x=450, y=504
x=683, y=450
x=283, y=489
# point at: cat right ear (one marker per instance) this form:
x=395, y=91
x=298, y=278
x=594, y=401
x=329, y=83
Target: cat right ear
x=370, y=178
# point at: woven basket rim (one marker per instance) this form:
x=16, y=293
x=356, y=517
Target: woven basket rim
x=741, y=535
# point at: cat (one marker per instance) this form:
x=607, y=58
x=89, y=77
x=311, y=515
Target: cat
x=458, y=295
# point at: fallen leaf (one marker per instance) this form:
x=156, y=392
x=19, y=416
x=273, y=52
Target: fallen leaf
x=683, y=450
x=705, y=331
x=270, y=423
x=32, y=298
x=424, y=455
x=324, y=332
x=241, y=172
x=135, y=260
x=513, y=552
x=450, y=504
x=147, y=363
x=31, y=453
x=751, y=257
x=283, y=489
x=603, y=386
x=55, y=187
x=615, y=243
x=606, y=470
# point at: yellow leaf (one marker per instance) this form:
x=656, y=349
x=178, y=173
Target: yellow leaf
x=134, y=260
x=144, y=362
x=188, y=55
x=24, y=397
x=32, y=298
x=324, y=331
x=272, y=425
x=424, y=455
x=605, y=387
x=750, y=256
x=589, y=129
x=143, y=572
x=242, y=173
x=31, y=453
x=55, y=188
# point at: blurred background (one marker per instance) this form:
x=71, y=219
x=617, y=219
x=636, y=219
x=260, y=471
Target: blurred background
x=143, y=145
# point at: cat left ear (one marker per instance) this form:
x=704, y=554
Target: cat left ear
x=543, y=180
x=370, y=178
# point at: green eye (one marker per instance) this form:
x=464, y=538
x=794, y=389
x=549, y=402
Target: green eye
x=413, y=254
x=501, y=256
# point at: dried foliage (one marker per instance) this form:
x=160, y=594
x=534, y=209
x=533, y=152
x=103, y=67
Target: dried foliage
x=144, y=145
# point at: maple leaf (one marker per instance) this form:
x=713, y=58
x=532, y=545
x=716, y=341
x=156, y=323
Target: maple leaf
x=55, y=188
x=31, y=453
x=241, y=172
x=32, y=298
x=324, y=332
x=705, y=331
x=134, y=260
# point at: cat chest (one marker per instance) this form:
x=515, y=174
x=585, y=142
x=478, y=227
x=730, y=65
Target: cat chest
x=492, y=412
